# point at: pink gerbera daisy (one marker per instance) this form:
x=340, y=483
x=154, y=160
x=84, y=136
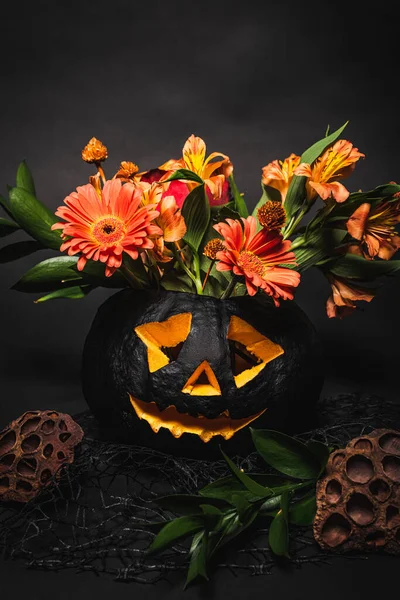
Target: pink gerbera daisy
x=102, y=225
x=256, y=257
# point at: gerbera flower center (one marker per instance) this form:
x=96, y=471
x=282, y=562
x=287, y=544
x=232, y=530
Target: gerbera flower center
x=109, y=231
x=250, y=262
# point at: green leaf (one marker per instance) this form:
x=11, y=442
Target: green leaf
x=225, y=487
x=34, y=217
x=176, y=530
x=198, y=558
x=303, y=511
x=240, y=203
x=319, y=245
x=61, y=272
x=286, y=454
x=196, y=212
x=25, y=179
x=187, y=504
x=177, y=282
x=321, y=451
x=6, y=205
x=7, y=227
x=278, y=535
x=296, y=192
x=186, y=175
x=352, y=266
x=71, y=293
x=19, y=250
x=249, y=483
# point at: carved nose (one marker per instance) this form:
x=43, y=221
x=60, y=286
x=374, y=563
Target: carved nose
x=202, y=382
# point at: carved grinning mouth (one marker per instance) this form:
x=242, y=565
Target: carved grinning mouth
x=178, y=423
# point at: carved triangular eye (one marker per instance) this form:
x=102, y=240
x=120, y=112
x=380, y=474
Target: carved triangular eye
x=250, y=351
x=164, y=340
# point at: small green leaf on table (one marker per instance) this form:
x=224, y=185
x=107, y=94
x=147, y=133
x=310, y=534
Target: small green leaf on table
x=176, y=530
x=286, y=454
x=303, y=511
x=198, y=558
x=249, y=483
x=321, y=451
x=278, y=535
x=186, y=504
x=71, y=293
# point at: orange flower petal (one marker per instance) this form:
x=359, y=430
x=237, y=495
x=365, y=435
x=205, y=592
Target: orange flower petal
x=356, y=223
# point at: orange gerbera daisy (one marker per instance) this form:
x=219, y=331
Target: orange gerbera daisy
x=256, y=257
x=337, y=162
x=213, y=172
x=103, y=227
x=344, y=295
x=278, y=174
x=375, y=229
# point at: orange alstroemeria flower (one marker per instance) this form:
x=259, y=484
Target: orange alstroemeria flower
x=102, y=227
x=375, y=229
x=256, y=257
x=344, y=295
x=278, y=174
x=170, y=219
x=337, y=162
x=213, y=172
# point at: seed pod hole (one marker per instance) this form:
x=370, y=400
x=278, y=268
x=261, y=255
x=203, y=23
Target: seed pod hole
x=48, y=450
x=60, y=455
x=64, y=436
x=45, y=475
x=7, y=442
x=391, y=466
x=390, y=442
x=336, y=530
x=360, y=509
x=27, y=467
x=333, y=491
x=7, y=460
x=48, y=426
x=30, y=425
x=31, y=443
x=62, y=425
x=363, y=444
x=23, y=485
x=380, y=489
x=359, y=468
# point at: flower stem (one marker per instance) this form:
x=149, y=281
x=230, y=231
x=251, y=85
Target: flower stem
x=293, y=223
x=230, y=288
x=208, y=273
x=188, y=272
x=133, y=281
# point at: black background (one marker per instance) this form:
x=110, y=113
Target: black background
x=257, y=81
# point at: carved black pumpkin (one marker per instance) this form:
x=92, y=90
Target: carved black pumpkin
x=199, y=366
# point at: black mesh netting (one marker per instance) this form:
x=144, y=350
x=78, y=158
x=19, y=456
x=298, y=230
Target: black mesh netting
x=94, y=518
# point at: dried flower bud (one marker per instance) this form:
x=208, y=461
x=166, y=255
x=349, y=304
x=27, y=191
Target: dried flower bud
x=212, y=247
x=94, y=151
x=272, y=215
x=127, y=169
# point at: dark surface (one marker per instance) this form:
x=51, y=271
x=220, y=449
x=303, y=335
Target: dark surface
x=257, y=84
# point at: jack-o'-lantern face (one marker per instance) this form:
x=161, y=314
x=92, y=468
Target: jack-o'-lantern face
x=181, y=363
x=247, y=350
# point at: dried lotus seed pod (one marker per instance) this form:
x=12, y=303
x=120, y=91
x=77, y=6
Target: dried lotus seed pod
x=358, y=498
x=32, y=450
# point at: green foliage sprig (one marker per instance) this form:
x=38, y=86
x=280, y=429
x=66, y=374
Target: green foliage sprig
x=225, y=508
